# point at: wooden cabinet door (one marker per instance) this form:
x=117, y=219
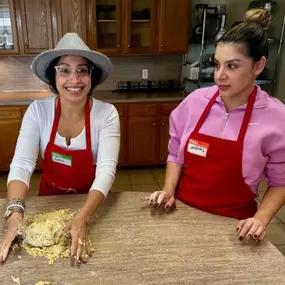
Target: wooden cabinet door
x=35, y=25
x=9, y=130
x=105, y=26
x=165, y=110
x=139, y=26
x=122, y=143
x=174, y=26
x=121, y=108
x=163, y=139
x=8, y=35
x=70, y=16
x=143, y=140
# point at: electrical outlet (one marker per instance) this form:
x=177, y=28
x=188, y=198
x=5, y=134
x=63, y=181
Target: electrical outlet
x=145, y=74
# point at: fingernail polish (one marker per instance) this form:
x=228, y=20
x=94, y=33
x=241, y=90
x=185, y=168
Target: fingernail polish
x=255, y=236
x=240, y=238
x=237, y=229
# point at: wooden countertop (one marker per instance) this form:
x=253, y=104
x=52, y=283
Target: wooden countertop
x=136, y=244
x=25, y=98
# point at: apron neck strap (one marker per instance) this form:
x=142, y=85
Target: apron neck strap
x=247, y=115
x=206, y=112
x=87, y=123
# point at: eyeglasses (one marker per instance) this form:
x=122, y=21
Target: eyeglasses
x=82, y=72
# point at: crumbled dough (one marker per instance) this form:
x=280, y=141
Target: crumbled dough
x=45, y=236
x=43, y=283
x=16, y=280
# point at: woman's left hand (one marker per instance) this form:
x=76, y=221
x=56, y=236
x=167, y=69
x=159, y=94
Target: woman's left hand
x=80, y=246
x=251, y=228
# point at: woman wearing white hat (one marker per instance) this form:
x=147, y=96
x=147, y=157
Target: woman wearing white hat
x=73, y=132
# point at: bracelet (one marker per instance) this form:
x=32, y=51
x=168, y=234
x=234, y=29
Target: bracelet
x=12, y=210
x=20, y=207
x=16, y=201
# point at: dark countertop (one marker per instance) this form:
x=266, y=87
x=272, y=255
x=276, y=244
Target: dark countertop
x=25, y=98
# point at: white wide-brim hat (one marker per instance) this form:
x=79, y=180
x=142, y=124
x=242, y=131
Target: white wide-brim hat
x=70, y=44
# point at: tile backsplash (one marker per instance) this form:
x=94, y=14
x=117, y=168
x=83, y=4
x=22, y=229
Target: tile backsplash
x=16, y=75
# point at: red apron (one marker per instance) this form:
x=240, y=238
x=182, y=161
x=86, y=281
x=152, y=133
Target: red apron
x=67, y=171
x=212, y=175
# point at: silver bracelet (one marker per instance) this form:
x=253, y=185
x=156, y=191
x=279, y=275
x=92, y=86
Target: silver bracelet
x=16, y=206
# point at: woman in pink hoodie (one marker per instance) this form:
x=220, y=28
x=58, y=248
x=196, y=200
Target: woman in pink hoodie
x=228, y=138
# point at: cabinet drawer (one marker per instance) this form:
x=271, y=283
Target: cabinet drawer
x=142, y=109
x=121, y=109
x=10, y=113
x=167, y=108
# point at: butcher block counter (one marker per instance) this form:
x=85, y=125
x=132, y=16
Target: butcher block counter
x=137, y=244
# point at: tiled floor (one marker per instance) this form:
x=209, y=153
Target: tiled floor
x=149, y=179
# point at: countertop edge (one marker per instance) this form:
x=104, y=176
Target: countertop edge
x=26, y=98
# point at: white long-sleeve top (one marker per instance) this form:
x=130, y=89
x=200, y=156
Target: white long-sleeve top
x=35, y=134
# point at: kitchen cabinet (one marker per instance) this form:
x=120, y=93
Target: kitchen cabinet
x=10, y=123
x=8, y=30
x=105, y=26
x=121, y=108
x=144, y=132
x=143, y=140
x=140, y=26
x=173, y=26
x=70, y=16
x=164, y=138
x=148, y=132
x=165, y=111
x=34, y=26
x=113, y=27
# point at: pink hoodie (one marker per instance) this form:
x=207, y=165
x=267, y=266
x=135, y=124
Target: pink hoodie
x=264, y=144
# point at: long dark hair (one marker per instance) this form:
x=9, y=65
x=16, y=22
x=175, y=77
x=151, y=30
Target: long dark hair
x=252, y=33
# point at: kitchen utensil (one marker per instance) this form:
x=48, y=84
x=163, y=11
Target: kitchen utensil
x=222, y=29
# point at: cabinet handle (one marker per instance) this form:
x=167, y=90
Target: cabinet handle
x=5, y=114
x=154, y=124
x=119, y=46
x=163, y=124
x=25, y=46
x=128, y=46
x=161, y=45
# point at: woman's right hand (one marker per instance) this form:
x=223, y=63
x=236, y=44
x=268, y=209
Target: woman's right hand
x=16, y=227
x=159, y=197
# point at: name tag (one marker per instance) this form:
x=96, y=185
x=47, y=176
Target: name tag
x=62, y=159
x=198, y=147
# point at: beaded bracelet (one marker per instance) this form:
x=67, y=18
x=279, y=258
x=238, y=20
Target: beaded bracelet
x=16, y=201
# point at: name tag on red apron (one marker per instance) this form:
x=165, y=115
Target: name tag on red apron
x=198, y=147
x=61, y=159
